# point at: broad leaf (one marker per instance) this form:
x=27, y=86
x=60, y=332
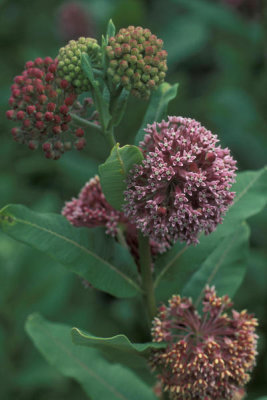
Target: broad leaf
x=114, y=171
x=225, y=267
x=174, y=268
x=99, y=378
x=80, y=250
x=157, y=108
x=115, y=346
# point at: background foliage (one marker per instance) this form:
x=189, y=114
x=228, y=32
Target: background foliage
x=216, y=53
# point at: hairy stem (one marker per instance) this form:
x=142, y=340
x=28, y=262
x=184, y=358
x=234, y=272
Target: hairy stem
x=146, y=273
x=110, y=137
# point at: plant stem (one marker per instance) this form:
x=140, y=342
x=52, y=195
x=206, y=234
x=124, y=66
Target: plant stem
x=110, y=137
x=146, y=273
x=84, y=122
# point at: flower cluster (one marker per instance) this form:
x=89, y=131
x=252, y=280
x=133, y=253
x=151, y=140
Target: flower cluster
x=41, y=105
x=182, y=186
x=91, y=209
x=207, y=357
x=69, y=62
x=136, y=60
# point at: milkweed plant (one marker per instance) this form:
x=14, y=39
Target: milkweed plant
x=164, y=221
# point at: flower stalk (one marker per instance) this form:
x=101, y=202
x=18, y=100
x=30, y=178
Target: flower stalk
x=146, y=274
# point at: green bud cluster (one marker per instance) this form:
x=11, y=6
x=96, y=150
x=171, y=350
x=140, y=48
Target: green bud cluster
x=136, y=60
x=69, y=62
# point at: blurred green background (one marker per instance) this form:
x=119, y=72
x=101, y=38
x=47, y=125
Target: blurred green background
x=217, y=52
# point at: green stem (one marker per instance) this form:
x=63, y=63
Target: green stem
x=146, y=273
x=84, y=122
x=110, y=137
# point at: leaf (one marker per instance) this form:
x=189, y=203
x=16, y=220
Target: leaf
x=99, y=378
x=118, y=107
x=225, y=267
x=157, y=108
x=111, y=30
x=174, y=268
x=114, y=171
x=115, y=347
x=80, y=250
x=87, y=68
x=100, y=99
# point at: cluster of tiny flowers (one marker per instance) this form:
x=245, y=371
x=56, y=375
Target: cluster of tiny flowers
x=182, y=186
x=206, y=357
x=69, y=62
x=41, y=105
x=91, y=209
x=136, y=60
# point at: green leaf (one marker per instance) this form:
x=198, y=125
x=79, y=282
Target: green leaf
x=87, y=68
x=99, y=378
x=174, y=268
x=100, y=99
x=111, y=30
x=225, y=267
x=157, y=108
x=114, y=171
x=80, y=250
x=115, y=345
x=118, y=107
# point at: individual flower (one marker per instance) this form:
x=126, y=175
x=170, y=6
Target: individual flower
x=74, y=21
x=136, y=60
x=91, y=209
x=182, y=187
x=207, y=356
x=69, y=62
x=41, y=104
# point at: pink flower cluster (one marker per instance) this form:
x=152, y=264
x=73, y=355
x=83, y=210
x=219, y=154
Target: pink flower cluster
x=207, y=357
x=91, y=209
x=183, y=185
x=41, y=105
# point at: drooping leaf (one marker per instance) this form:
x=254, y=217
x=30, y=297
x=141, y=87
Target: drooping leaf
x=99, y=378
x=157, y=108
x=115, y=346
x=114, y=171
x=174, y=268
x=80, y=250
x=225, y=267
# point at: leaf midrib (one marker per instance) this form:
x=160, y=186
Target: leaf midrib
x=84, y=249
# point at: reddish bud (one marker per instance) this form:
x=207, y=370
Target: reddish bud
x=49, y=77
x=39, y=116
x=49, y=116
x=42, y=99
x=57, y=119
x=63, y=109
x=10, y=114
x=57, y=129
x=70, y=100
x=26, y=123
x=20, y=115
x=51, y=107
x=47, y=146
x=79, y=132
x=39, y=125
x=80, y=144
x=64, y=84
x=30, y=109
x=32, y=145
x=29, y=64
x=48, y=60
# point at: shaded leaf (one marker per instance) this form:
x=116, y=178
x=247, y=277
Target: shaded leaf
x=99, y=378
x=157, y=108
x=80, y=250
x=114, y=171
x=225, y=267
x=111, y=30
